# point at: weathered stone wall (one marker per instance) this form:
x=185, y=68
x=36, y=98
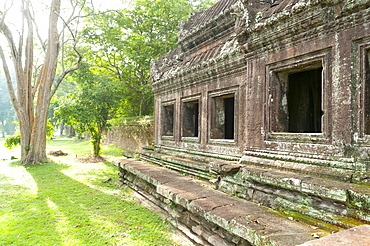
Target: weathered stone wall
x=276, y=90
x=250, y=50
x=190, y=223
x=131, y=134
x=209, y=217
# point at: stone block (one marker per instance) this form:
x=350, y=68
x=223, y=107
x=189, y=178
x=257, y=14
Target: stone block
x=357, y=236
x=217, y=240
x=360, y=200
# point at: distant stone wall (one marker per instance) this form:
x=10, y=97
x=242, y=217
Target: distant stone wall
x=131, y=134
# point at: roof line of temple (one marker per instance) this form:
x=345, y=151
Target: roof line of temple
x=253, y=19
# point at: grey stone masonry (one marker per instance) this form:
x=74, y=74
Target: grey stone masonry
x=311, y=192
x=357, y=236
x=210, y=216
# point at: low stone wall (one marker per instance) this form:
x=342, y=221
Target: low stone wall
x=131, y=134
x=209, y=217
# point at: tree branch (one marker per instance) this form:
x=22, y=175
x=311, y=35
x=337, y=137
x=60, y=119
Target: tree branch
x=42, y=43
x=64, y=73
x=74, y=38
x=9, y=36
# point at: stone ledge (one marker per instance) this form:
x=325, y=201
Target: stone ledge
x=249, y=221
x=285, y=190
x=357, y=236
x=351, y=194
x=299, y=166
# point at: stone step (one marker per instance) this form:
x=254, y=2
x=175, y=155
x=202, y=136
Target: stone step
x=186, y=166
x=326, y=202
x=318, y=195
x=196, y=154
x=301, y=154
x=352, y=172
x=318, y=160
x=300, y=167
x=308, y=195
x=211, y=217
x=345, y=169
x=358, y=236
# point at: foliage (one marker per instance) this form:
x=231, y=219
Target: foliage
x=13, y=141
x=67, y=203
x=114, y=79
x=125, y=42
x=49, y=129
x=91, y=105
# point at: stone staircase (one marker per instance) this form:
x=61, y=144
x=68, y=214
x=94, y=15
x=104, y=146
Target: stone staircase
x=259, y=198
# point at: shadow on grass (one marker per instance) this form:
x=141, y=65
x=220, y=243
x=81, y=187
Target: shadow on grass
x=68, y=212
x=25, y=218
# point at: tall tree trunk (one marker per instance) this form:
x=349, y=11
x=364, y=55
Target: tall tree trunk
x=72, y=131
x=35, y=132
x=32, y=116
x=62, y=125
x=35, y=152
x=96, y=137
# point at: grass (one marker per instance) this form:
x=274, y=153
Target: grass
x=83, y=147
x=65, y=202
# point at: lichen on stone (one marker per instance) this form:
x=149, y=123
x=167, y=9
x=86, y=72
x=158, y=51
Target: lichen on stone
x=258, y=17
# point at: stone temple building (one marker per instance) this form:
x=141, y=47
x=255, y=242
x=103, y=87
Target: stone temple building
x=263, y=74
x=268, y=102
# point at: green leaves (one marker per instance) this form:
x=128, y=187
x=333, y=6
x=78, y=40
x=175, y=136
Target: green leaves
x=118, y=47
x=12, y=141
x=90, y=106
x=123, y=43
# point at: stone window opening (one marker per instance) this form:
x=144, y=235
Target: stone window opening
x=223, y=117
x=168, y=120
x=367, y=93
x=296, y=99
x=304, y=101
x=190, y=119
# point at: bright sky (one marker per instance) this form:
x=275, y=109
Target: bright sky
x=41, y=7
x=13, y=19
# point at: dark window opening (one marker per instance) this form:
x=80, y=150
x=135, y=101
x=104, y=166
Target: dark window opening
x=168, y=112
x=367, y=94
x=304, y=101
x=223, y=118
x=191, y=118
x=229, y=118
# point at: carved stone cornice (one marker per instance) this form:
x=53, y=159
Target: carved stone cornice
x=229, y=61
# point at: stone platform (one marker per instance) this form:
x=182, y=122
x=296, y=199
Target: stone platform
x=211, y=217
x=358, y=236
x=260, y=198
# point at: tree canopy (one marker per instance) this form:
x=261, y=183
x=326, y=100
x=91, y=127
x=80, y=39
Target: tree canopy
x=118, y=49
x=125, y=42
x=89, y=108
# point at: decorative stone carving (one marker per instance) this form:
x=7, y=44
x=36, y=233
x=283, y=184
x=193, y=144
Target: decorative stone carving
x=242, y=18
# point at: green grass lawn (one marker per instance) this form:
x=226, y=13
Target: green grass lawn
x=82, y=147
x=66, y=202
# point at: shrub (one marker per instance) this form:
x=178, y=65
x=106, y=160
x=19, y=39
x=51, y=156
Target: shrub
x=13, y=141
